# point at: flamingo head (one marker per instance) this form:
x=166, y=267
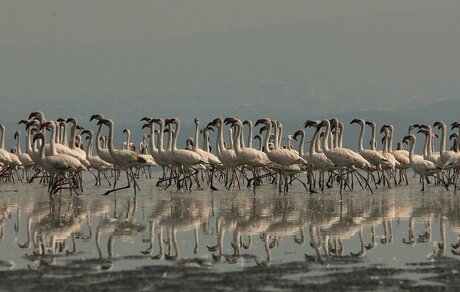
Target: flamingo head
x=310, y=123
x=357, y=121
x=37, y=115
x=146, y=119
x=410, y=138
x=96, y=117
x=264, y=121
x=38, y=136
x=72, y=121
x=454, y=125
x=297, y=133
x=370, y=124
x=87, y=132
x=453, y=135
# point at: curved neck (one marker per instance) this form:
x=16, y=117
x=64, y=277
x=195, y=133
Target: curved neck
x=238, y=135
x=73, y=134
x=231, y=137
x=302, y=143
x=206, y=140
x=442, y=148
x=64, y=134
x=52, y=141
x=98, y=143
x=197, y=133
x=174, y=136
x=313, y=142
x=267, y=137
x=220, y=137
x=250, y=134
x=2, y=143
x=241, y=139
x=426, y=145
x=29, y=142
x=18, y=140
x=361, y=138
x=90, y=145
x=280, y=136
x=385, y=143
x=128, y=138
x=152, y=139
x=411, y=150
x=41, y=149
x=373, y=139
x=326, y=136
x=160, y=139
x=110, y=142
x=390, y=140
x=58, y=132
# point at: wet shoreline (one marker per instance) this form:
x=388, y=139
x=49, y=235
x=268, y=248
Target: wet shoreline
x=436, y=275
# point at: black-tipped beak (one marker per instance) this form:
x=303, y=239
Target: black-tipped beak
x=355, y=121
x=146, y=119
x=145, y=126
x=33, y=115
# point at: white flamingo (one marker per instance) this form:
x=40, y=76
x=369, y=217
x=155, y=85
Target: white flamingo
x=124, y=159
x=24, y=157
x=96, y=162
x=420, y=166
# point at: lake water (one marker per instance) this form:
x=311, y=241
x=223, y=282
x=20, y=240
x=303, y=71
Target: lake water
x=227, y=230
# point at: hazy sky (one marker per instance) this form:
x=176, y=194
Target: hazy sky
x=26, y=21
x=210, y=57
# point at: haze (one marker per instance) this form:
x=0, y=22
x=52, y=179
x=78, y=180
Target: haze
x=289, y=60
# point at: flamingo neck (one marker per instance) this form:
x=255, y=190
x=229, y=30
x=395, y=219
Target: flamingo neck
x=302, y=143
x=443, y=138
x=390, y=140
x=110, y=142
x=64, y=135
x=160, y=139
x=18, y=146
x=326, y=136
x=197, y=132
x=373, y=139
x=2, y=144
x=267, y=137
x=152, y=139
x=90, y=146
x=313, y=142
x=220, y=137
x=52, y=140
x=361, y=137
x=98, y=143
x=174, y=136
x=250, y=134
x=73, y=134
x=29, y=142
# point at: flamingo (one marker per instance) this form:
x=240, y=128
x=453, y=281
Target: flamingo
x=445, y=155
x=24, y=157
x=181, y=158
x=422, y=167
x=9, y=160
x=247, y=156
x=226, y=156
x=103, y=153
x=95, y=161
x=373, y=156
x=56, y=164
x=282, y=157
x=124, y=159
x=343, y=157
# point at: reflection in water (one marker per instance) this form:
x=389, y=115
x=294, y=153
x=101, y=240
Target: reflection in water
x=242, y=229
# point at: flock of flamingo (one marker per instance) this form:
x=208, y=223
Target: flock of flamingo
x=58, y=159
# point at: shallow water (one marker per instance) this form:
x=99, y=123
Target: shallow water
x=227, y=230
